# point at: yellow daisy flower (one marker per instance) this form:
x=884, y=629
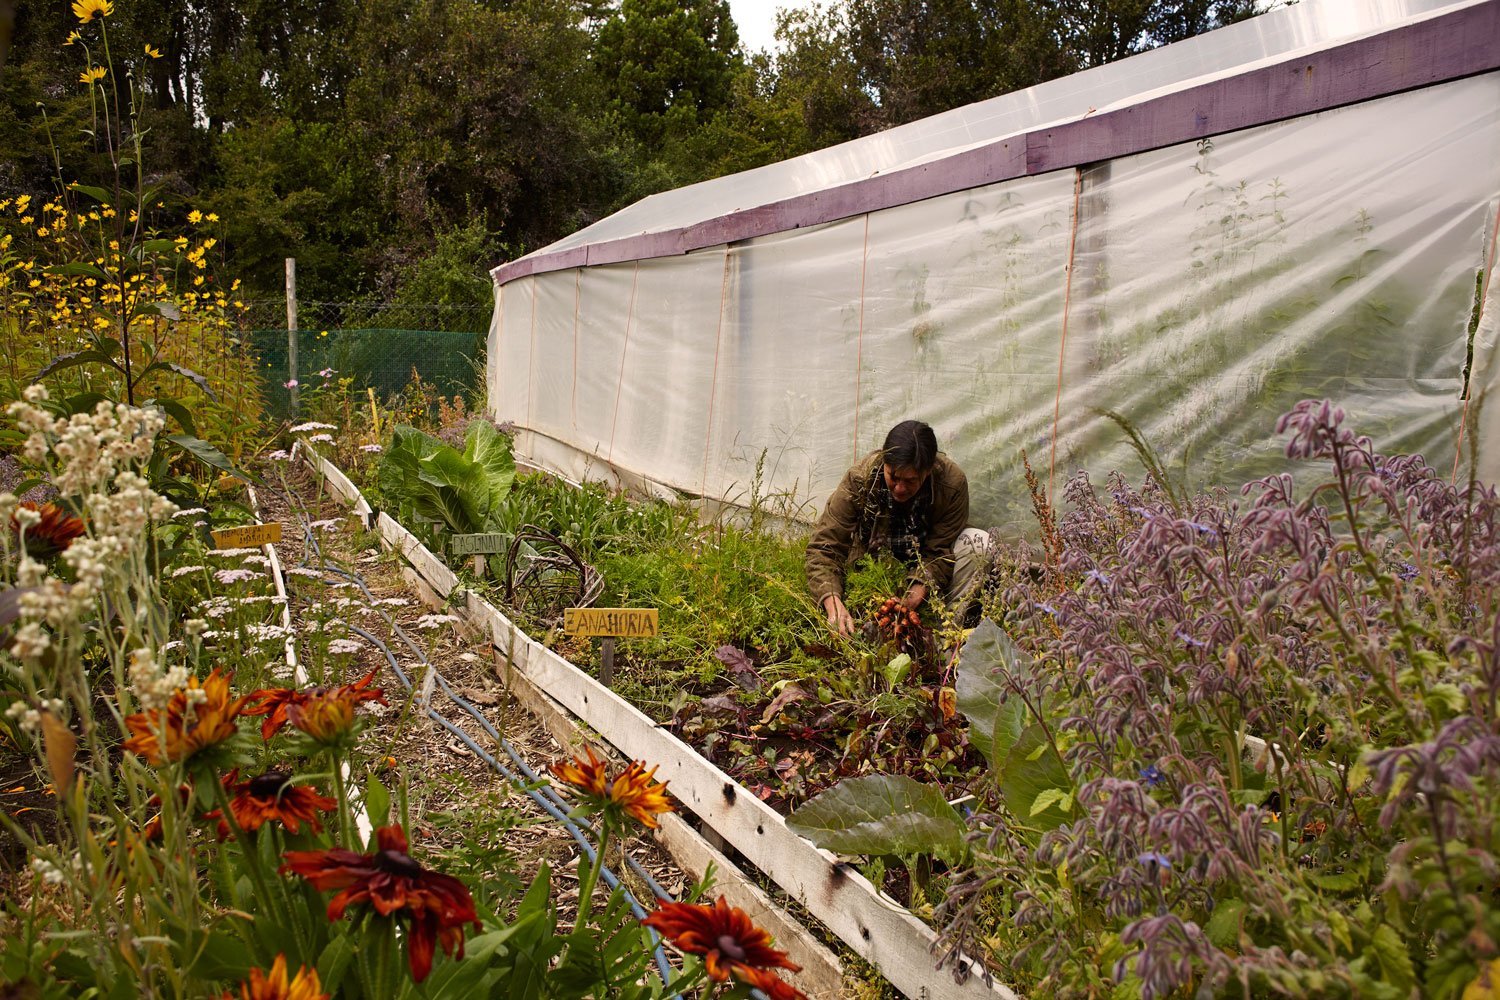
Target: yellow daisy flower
x=91, y=75
x=89, y=10
x=153, y=53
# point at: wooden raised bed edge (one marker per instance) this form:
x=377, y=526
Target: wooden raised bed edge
x=886, y=935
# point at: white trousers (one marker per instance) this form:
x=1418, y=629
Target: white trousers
x=971, y=560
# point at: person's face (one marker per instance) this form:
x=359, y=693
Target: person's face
x=904, y=483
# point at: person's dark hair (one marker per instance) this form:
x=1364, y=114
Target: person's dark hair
x=911, y=444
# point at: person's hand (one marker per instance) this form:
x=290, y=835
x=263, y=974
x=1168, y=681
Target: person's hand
x=915, y=595
x=839, y=618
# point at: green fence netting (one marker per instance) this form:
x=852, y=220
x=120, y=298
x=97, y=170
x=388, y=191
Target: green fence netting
x=382, y=359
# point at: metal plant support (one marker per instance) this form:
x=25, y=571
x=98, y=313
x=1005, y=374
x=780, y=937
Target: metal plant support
x=544, y=576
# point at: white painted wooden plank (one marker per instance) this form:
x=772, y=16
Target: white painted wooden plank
x=889, y=937
x=442, y=578
x=299, y=673
x=278, y=579
x=337, y=481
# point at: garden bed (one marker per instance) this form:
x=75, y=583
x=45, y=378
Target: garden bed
x=1206, y=735
x=896, y=942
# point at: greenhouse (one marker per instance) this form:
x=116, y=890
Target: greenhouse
x=1182, y=244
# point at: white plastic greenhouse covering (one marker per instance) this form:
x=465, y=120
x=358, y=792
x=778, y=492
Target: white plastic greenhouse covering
x=1303, y=204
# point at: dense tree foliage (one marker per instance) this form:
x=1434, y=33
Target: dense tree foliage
x=370, y=139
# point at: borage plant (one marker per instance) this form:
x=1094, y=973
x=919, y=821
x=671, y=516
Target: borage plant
x=1245, y=746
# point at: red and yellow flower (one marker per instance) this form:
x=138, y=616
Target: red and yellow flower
x=52, y=534
x=276, y=704
x=633, y=792
x=275, y=985
x=730, y=943
x=272, y=796
x=197, y=717
x=436, y=907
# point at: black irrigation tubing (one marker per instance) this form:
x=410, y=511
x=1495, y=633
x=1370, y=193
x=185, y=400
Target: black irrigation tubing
x=473, y=712
x=552, y=809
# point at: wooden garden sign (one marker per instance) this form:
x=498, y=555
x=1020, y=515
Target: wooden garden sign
x=610, y=624
x=478, y=545
x=485, y=543
x=248, y=536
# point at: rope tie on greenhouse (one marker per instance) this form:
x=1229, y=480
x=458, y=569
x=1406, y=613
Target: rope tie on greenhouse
x=1062, y=347
x=614, y=423
x=531, y=357
x=1484, y=292
x=713, y=386
x=577, y=302
x=859, y=343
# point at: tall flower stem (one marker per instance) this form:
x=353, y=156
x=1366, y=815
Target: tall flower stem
x=341, y=792
x=248, y=851
x=591, y=876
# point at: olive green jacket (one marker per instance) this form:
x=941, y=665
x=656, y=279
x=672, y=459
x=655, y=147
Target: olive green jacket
x=858, y=520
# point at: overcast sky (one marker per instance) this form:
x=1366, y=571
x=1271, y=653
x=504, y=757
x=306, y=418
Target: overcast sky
x=756, y=20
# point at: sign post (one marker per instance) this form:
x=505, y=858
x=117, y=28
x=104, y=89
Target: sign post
x=610, y=624
x=478, y=546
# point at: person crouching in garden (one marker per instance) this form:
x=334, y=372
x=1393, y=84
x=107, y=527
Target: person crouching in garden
x=908, y=499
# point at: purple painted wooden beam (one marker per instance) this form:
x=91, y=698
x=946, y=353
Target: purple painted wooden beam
x=1445, y=47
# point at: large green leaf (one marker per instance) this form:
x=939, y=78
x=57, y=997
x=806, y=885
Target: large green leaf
x=97, y=193
x=490, y=450
x=1032, y=768
x=77, y=269
x=994, y=723
x=187, y=373
x=458, y=487
x=882, y=814
x=210, y=456
x=75, y=359
x=176, y=411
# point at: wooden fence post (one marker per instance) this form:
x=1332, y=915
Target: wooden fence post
x=291, y=332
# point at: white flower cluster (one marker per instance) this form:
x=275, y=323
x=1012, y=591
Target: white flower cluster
x=51, y=873
x=153, y=684
x=92, y=448
x=94, y=457
x=29, y=719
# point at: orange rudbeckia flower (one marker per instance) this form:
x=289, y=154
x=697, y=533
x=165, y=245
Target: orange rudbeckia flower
x=52, y=534
x=730, y=943
x=199, y=716
x=275, y=985
x=633, y=792
x=272, y=796
x=276, y=704
x=435, y=906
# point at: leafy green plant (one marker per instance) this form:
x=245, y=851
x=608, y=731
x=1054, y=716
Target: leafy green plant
x=433, y=485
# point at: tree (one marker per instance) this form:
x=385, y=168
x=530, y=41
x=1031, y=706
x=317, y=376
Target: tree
x=921, y=57
x=816, y=73
x=668, y=64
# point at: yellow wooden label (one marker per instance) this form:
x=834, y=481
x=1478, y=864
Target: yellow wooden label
x=627, y=623
x=247, y=536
